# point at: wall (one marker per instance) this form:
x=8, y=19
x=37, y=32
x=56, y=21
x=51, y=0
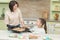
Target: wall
x=33, y=8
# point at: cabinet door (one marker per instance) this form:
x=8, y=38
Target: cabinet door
x=57, y=28
x=55, y=10
x=50, y=27
x=5, y=1
x=3, y=8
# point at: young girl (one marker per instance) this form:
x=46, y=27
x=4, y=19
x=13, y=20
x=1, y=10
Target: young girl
x=41, y=27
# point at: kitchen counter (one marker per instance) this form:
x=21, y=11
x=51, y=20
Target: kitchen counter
x=8, y=35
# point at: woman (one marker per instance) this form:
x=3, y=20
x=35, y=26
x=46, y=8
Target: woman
x=13, y=17
x=41, y=27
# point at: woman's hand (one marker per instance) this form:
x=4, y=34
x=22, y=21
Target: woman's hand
x=26, y=26
x=19, y=29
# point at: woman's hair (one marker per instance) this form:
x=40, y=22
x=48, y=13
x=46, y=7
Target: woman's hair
x=11, y=4
x=43, y=21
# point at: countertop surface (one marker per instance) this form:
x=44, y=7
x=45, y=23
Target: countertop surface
x=8, y=35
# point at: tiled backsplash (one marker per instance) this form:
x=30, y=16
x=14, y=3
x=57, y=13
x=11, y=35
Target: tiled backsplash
x=30, y=21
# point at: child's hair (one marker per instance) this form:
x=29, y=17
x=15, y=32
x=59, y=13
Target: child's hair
x=43, y=21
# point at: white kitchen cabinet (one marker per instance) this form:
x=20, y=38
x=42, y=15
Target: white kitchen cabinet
x=3, y=6
x=55, y=10
x=53, y=27
x=5, y=1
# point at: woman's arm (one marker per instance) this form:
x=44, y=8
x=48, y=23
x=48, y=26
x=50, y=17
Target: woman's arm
x=6, y=18
x=21, y=19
